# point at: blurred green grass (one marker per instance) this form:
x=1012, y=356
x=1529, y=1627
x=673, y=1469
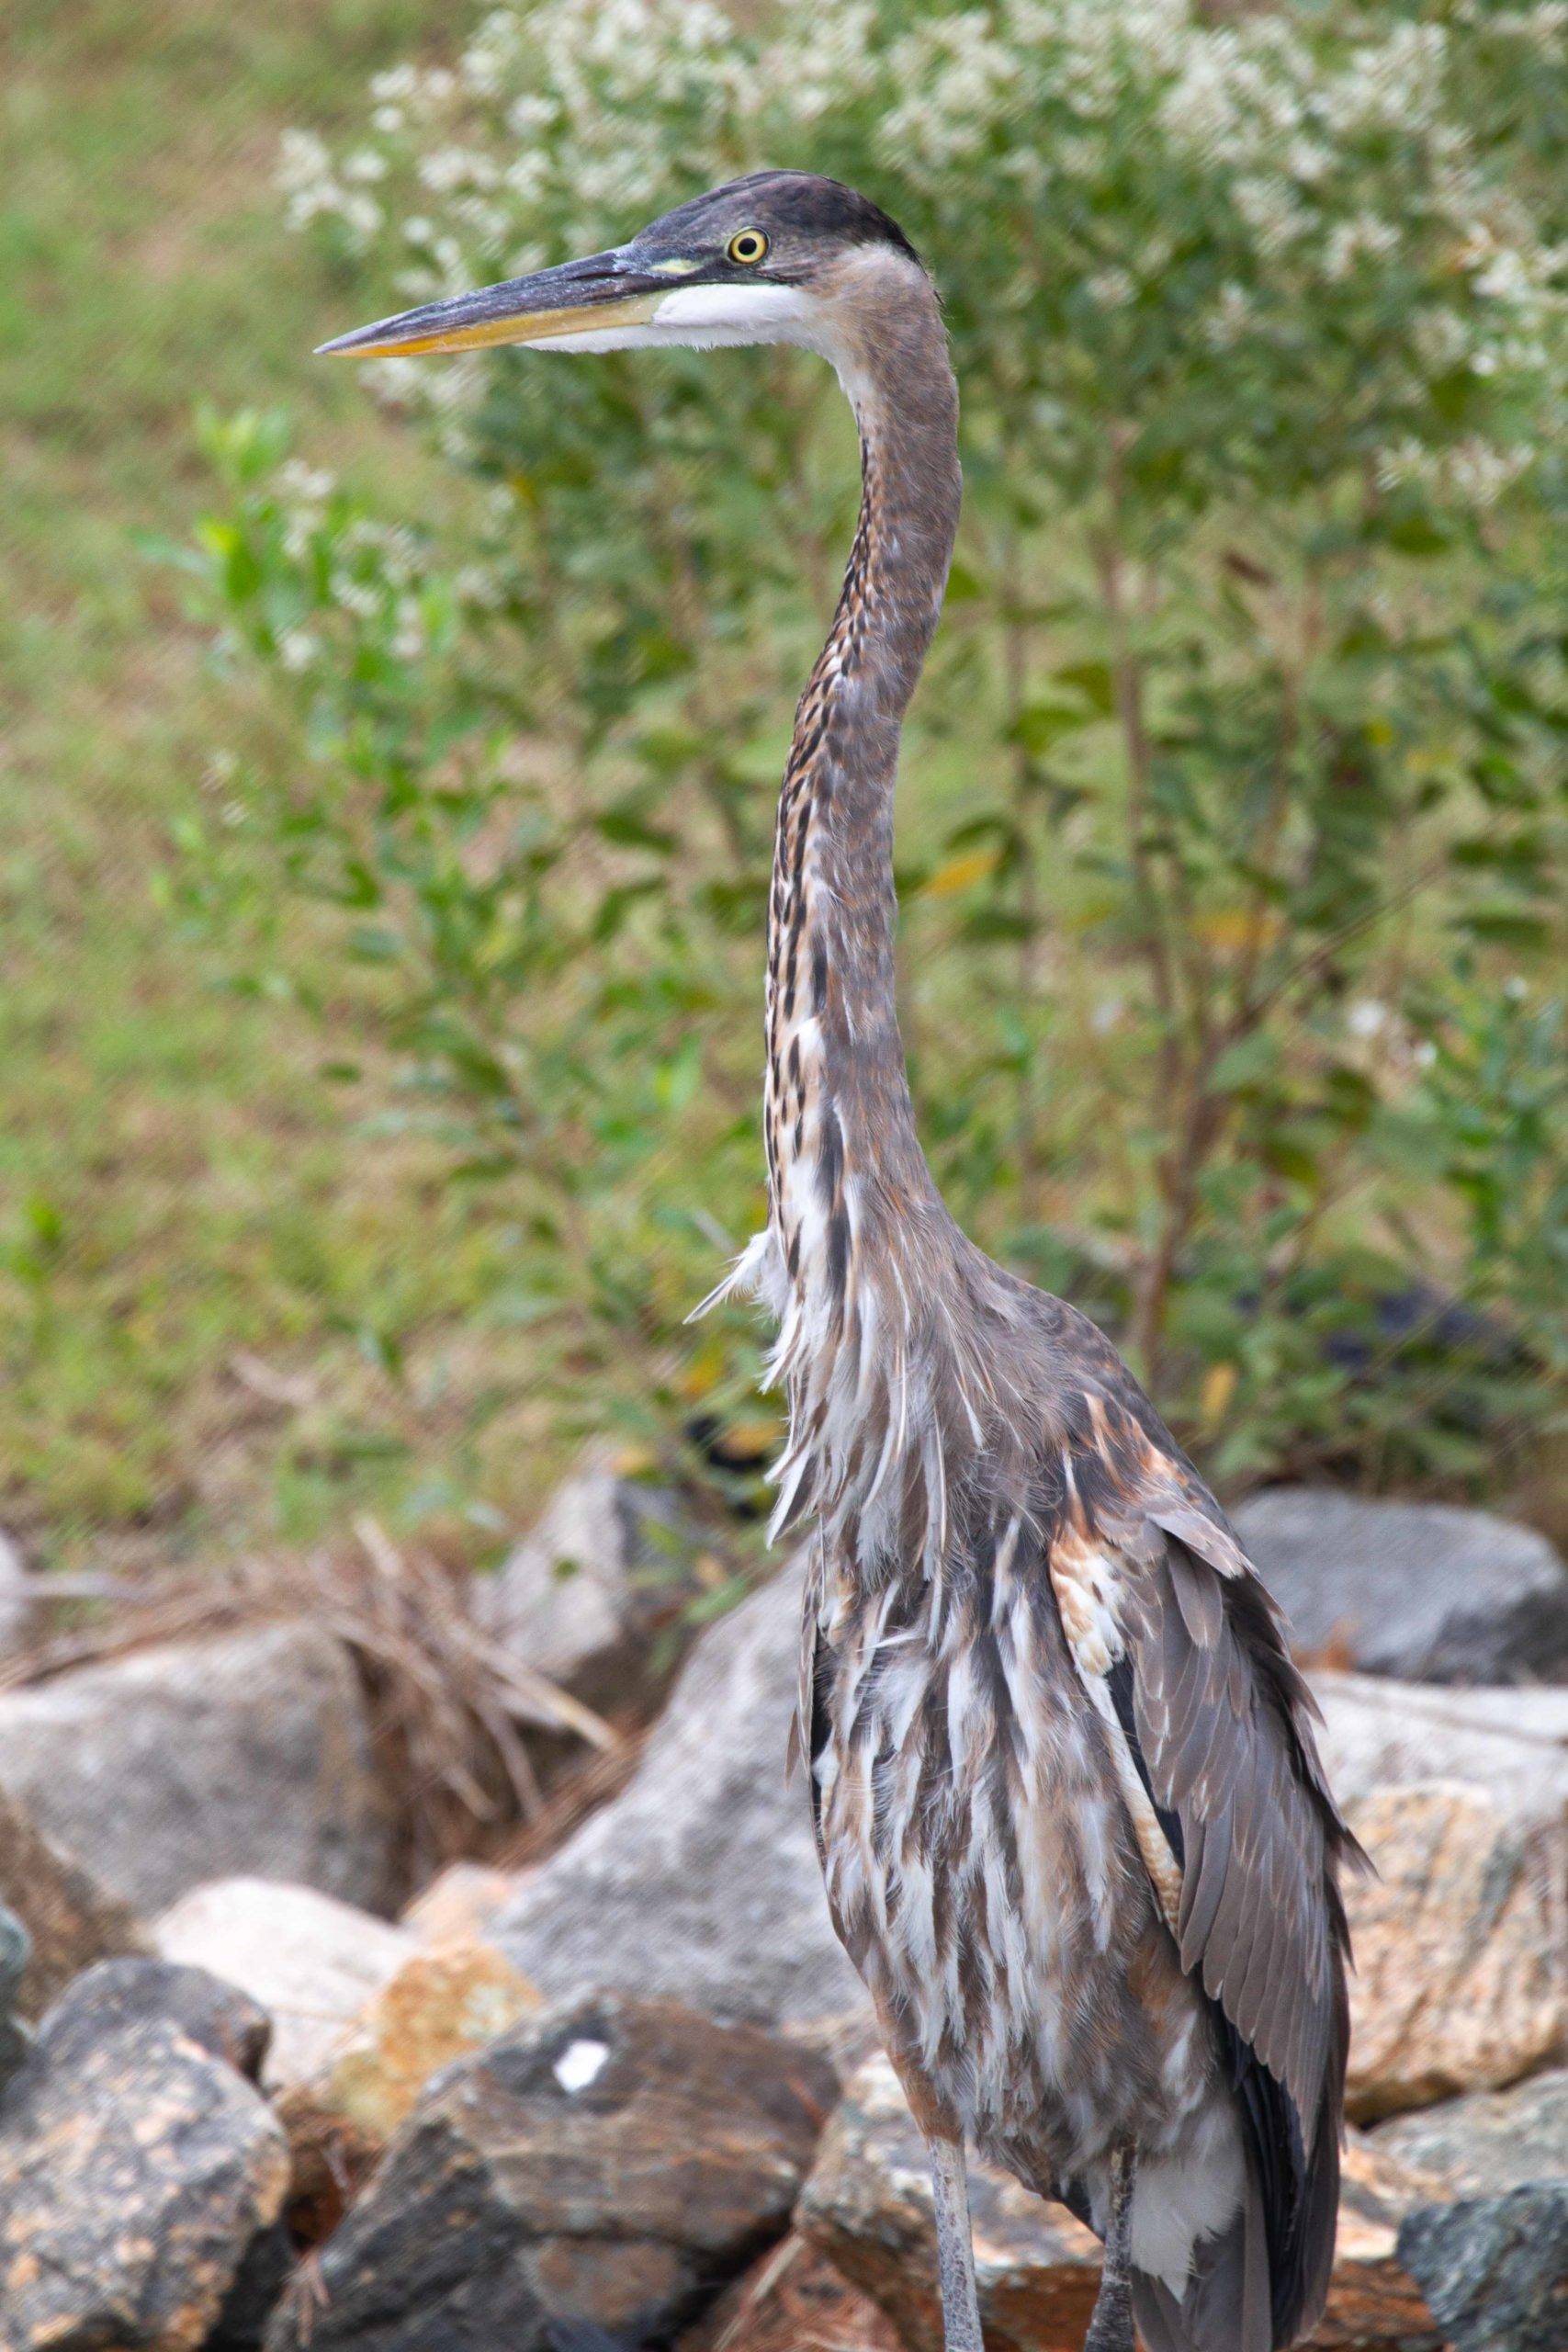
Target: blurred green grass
x=221, y=1324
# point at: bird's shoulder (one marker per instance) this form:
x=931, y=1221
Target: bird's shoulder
x=1092, y=1435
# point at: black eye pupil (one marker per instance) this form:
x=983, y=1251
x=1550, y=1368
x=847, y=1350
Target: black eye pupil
x=748, y=246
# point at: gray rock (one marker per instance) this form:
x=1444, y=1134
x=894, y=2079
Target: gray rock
x=70, y=1922
x=172, y=1765
x=17, y=1595
x=138, y=2169
x=585, y=2179
x=16, y=1951
x=1489, y=2142
x=592, y=1600
x=701, y=1878
x=1511, y=1743
x=1494, y=2269
x=1419, y=1589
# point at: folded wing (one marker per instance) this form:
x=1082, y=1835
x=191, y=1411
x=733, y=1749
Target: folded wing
x=1183, y=1654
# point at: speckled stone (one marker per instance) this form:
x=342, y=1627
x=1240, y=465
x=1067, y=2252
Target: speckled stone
x=137, y=2170
x=1495, y=2268
x=217, y=2016
x=600, y=2168
x=1460, y=1939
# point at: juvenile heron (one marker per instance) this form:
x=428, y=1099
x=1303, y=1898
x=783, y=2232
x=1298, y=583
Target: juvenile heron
x=1074, y=1828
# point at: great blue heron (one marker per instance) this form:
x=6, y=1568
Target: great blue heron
x=1074, y=1831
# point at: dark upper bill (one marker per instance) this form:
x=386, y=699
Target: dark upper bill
x=601, y=294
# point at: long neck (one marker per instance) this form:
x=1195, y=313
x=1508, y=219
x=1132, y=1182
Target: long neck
x=842, y=1145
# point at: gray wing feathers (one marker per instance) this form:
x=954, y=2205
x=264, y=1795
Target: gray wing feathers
x=1224, y=1725
x=1229, y=1750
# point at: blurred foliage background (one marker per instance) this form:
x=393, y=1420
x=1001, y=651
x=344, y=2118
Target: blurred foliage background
x=388, y=781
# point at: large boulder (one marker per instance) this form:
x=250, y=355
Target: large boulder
x=1512, y=1744
x=1462, y=1940
x=701, y=1879
x=141, y=2174
x=1494, y=2269
x=587, y=2179
x=312, y=1962
x=1424, y=1590
x=1461, y=1946
x=867, y=2208
x=70, y=1921
x=594, y=1596
x=1491, y=2142
x=167, y=1766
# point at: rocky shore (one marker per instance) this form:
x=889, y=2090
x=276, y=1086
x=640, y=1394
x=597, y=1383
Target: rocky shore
x=255, y=2095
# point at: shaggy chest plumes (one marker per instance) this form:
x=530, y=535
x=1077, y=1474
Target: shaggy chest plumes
x=983, y=1873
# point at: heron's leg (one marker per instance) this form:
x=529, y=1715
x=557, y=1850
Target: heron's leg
x=1111, y=2329
x=954, y=2247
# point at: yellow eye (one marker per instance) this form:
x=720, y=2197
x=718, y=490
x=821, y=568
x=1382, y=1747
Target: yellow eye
x=746, y=245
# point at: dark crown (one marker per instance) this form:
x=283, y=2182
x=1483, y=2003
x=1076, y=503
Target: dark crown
x=799, y=204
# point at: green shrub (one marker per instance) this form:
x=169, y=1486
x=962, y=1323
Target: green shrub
x=1232, y=840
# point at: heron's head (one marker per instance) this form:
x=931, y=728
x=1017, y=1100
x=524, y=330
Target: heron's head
x=779, y=258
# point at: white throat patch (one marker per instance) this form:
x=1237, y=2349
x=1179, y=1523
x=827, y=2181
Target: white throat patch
x=705, y=316
x=759, y=313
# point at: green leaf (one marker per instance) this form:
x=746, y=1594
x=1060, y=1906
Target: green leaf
x=1245, y=1063
x=627, y=827
x=1094, y=681
x=1505, y=927
x=1038, y=725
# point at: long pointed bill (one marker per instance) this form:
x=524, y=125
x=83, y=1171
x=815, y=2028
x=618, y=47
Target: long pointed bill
x=601, y=295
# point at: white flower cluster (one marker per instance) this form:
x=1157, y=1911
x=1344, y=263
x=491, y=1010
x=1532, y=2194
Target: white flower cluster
x=375, y=573
x=1472, y=472
x=1054, y=147
x=315, y=190
x=1543, y=29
